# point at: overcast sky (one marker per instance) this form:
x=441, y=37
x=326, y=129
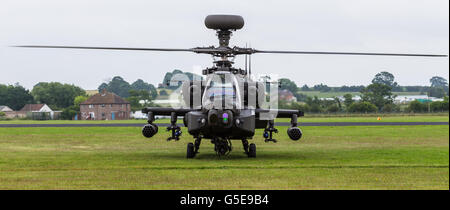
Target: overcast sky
x=396, y=26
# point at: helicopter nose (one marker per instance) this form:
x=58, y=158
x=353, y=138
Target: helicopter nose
x=220, y=117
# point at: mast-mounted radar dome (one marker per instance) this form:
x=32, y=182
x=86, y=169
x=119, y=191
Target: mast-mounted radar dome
x=224, y=22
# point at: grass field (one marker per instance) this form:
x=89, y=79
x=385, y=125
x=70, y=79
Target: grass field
x=363, y=157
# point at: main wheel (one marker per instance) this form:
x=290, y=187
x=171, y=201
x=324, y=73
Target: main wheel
x=252, y=150
x=190, y=151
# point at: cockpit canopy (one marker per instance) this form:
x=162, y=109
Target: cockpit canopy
x=222, y=91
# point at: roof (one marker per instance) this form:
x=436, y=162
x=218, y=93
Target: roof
x=5, y=108
x=285, y=93
x=105, y=98
x=32, y=107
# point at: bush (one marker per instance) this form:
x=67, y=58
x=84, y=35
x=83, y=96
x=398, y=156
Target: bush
x=362, y=107
x=390, y=108
x=301, y=107
x=69, y=113
x=315, y=108
x=333, y=108
x=439, y=106
x=417, y=106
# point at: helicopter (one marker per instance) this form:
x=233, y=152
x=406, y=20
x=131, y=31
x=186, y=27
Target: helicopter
x=229, y=104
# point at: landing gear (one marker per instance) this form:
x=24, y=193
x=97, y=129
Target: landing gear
x=197, y=143
x=245, y=145
x=190, y=151
x=252, y=151
x=192, y=148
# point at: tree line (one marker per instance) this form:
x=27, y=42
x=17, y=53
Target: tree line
x=67, y=97
x=376, y=97
x=438, y=86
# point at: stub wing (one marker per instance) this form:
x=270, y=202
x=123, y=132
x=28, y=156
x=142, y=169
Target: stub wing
x=165, y=111
x=279, y=113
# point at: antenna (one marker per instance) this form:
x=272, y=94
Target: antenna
x=246, y=61
x=250, y=64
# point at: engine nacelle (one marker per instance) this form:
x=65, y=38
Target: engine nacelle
x=149, y=130
x=294, y=133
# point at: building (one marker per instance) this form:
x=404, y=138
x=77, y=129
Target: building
x=38, y=112
x=405, y=99
x=286, y=95
x=5, y=109
x=105, y=106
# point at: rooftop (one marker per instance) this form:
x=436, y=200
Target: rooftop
x=105, y=98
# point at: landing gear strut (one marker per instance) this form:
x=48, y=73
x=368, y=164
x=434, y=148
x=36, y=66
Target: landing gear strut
x=190, y=151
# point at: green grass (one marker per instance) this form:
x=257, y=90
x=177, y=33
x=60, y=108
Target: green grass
x=369, y=157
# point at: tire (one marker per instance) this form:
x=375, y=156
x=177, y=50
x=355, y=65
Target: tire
x=252, y=150
x=190, y=151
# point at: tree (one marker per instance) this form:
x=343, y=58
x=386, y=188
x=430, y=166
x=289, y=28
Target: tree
x=168, y=83
x=78, y=100
x=300, y=96
x=378, y=94
x=333, y=108
x=314, y=104
x=362, y=107
x=287, y=84
x=14, y=96
x=68, y=113
x=119, y=86
x=437, y=81
x=141, y=85
x=390, y=108
x=385, y=78
x=305, y=88
x=338, y=102
x=439, y=106
x=136, y=96
x=2, y=114
x=55, y=94
x=102, y=87
x=322, y=88
x=348, y=100
x=417, y=106
x=437, y=92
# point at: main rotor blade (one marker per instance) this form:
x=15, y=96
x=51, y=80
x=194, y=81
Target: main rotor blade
x=107, y=48
x=347, y=53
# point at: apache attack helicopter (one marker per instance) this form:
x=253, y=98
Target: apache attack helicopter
x=228, y=104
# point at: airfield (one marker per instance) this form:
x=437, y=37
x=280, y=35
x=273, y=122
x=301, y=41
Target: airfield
x=329, y=156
